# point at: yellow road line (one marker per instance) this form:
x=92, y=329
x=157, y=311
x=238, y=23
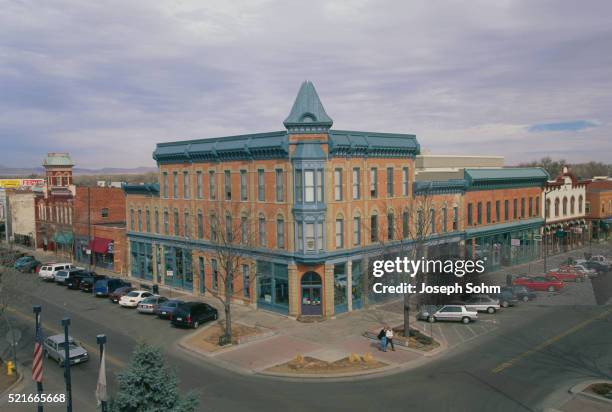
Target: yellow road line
x=549, y=342
x=90, y=348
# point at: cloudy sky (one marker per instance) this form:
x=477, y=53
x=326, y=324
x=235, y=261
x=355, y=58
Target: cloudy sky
x=106, y=80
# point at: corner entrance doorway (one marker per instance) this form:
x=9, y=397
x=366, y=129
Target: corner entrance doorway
x=311, y=294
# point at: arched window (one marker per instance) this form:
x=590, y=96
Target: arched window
x=580, y=204
x=572, y=205
x=564, y=206
x=557, y=203
x=547, y=208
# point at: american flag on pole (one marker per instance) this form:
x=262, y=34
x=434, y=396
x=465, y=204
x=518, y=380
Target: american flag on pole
x=37, y=364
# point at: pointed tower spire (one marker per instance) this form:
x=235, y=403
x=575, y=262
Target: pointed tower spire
x=308, y=114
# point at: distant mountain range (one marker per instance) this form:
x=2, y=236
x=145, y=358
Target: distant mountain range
x=26, y=171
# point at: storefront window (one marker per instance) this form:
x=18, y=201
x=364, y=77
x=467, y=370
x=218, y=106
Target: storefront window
x=357, y=284
x=340, y=284
x=273, y=286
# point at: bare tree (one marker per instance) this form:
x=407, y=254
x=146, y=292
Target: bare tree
x=232, y=238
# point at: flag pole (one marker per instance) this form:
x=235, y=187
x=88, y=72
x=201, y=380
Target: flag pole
x=101, y=394
x=38, y=358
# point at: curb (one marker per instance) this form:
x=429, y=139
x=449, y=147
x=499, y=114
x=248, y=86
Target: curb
x=579, y=388
x=11, y=388
x=442, y=346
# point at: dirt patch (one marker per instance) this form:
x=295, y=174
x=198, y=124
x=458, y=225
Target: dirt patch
x=5, y=380
x=207, y=340
x=601, y=389
x=306, y=364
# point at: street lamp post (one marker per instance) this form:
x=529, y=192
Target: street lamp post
x=101, y=340
x=39, y=386
x=65, y=324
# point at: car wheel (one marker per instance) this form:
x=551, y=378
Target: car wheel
x=551, y=288
x=465, y=320
x=525, y=298
x=505, y=304
x=196, y=324
x=490, y=310
x=431, y=319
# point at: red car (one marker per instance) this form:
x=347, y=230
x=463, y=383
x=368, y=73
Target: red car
x=566, y=274
x=541, y=283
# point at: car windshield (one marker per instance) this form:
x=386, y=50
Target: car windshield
x=133, y=294
x=71, y=345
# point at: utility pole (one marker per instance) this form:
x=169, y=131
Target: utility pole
x=546, y=211
x=65, y=324
x=101, y=340
x=39, y=385
x=90, y=257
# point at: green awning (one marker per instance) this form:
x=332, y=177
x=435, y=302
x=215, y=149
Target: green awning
x=63, y=238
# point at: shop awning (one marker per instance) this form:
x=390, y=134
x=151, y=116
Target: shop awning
x=100, y=245
x=63, y=238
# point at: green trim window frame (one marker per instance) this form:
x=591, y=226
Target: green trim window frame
x=261, y=190
x=272, y=286
x=175, y=184
x=200, y=219
x=373, y=183
x=339, y=233
x=470, y=218
x=506, y=209
x=176, y=222
x=488, y=212
x=356, y=183
x=280, y=233
x=141, y=260
x=166, y=222
x=356, y=231
x=156, y=218
x=357, y=284
x=244, y=193
x=405, y=177
x=186, y=188
x=212, y=185
x=515, y=209
x=148, y=220
x=180, y=262
x=199, y=193
x=280, y=185
x=227, y=184
x=479, y=213
x=338, y=185
x=165, y=185
x=389, y=182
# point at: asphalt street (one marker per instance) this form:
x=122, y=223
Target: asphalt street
x=536, y=353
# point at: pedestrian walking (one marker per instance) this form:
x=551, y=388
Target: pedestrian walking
x=389, y=336
x=382, y=336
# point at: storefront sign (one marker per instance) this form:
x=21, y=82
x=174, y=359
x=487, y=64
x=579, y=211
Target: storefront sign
x=515, y=242
x=17, y=183
x=111, y=248
x=169, y=273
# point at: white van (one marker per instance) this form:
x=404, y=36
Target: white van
x=48, y=271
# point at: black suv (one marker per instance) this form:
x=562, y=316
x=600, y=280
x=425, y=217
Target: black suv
x=87, y=283
x=73, y=281
x=192, y=314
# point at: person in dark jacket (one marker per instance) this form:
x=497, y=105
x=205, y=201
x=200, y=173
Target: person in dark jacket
x=382, y=336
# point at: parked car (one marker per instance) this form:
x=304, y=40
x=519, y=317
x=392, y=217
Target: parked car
x=74, y=280
x=87, y=284
x=54, y=348
x=586, y=271
x=118, y=293
x=480, y=303
x=457, y=313
x=541, y=283
x=597, y=266
x=566, y=274
x=192, y=314
x=166, y=309
x=600, y=259
x=506, y=298
x=150, y=304
x=47, y=272
x=61, y=276
x=521, y=292
x=105, y=287
x=133, y=298
x=26, y=264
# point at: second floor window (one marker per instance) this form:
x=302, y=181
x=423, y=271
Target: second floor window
x=374, y=228
x=280, y=233
x=356, y=231
x=186, y=228
x=389, y=182
x=166, y=223
x=455, y=218
x=243, y=185
x=339, y=233
x=212, y=187
x=405, y=175
x=390, y=226
x=139, y=220
x=262, y=231
x=405, y=223
x=104, y=212
x=200, y=225
x=479, y=213
x=148, y=220
x=261, y=190
x=175, y=185
x=165, y=184
x=132, y=225
x=373, y=182
x=444, y=220
x=522, y=207
x=488, y=212
x=176, y=222
x=338, y=184
x=227, y=180
x=309, y=186
x=497, y=212
x=515, y=208
x=280, y=186
x=199, y=185
x=156, y=218
x=244, y=230
x=506, y=209
x=356, y=184
x=470, y=220
x=186, y=189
